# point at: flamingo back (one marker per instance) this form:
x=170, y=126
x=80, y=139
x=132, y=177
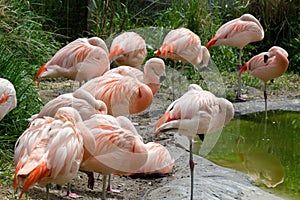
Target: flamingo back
x=196, y=112
x=122, y=94
x=159, y=160
x=128, y=48
x=8, y=99
x=117, y=151
x=49, y=151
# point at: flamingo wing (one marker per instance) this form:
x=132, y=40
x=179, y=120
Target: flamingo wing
x=159, y=160
x=117, y=150
x=122, y=94
x=50, y=150
x=128, y=48
x=80, y=60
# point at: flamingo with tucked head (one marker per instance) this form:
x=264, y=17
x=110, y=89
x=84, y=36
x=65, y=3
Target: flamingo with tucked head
x=238, y=33
x=196, y=112
x=80, y=60
x=267, y=66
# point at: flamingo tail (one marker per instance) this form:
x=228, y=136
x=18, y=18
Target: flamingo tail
x=34, y=176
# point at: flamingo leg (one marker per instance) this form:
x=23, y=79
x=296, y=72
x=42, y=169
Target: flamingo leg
x=47, y=192
x=173, y=81
x=265, y=96
x=192, y=165
x=109, y=189
x=104, y=178
x=238, y=95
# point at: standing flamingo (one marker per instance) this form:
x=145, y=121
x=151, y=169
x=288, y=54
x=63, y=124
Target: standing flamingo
x=154, y=73
x=128, y=48
x=80, y=100
x=8, y=99
x=118, y=149
x=196, y=112
x=51, y=150
x=122, y=94
x=183, y=45
x=267, y=66
x=238, y=33
x=81, y=60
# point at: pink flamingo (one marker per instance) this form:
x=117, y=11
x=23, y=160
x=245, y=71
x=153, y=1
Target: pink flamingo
x=80, y=60
x=80, y=100
x=116, y=145
x=196, y=112
x=154, y=73
x=122, y=94
x=267, y=66
x=128, y=48
x=159, y=161
x=8, y=99
x=183, y=45
x=51, y=149
x=238, y=33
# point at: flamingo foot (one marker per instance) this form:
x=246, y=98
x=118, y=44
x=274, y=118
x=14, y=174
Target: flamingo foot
x=110, y=190
x=73, y=195
x=241, y=97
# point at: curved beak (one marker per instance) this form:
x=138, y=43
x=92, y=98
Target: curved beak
x=266, y=57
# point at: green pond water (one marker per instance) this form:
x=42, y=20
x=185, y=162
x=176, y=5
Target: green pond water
x=268, y=150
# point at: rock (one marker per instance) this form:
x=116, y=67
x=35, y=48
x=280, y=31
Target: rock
x=211, y=182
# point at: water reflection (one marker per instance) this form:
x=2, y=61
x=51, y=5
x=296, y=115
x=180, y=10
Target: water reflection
x=268, y=150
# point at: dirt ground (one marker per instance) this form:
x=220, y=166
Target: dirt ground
x=131, y=188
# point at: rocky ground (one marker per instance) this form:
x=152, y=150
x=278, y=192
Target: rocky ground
x=212, y=181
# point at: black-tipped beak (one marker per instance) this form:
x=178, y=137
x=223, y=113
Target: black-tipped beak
x=266, y=57
x=162, y=78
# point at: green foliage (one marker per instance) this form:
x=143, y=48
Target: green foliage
x=24, y=46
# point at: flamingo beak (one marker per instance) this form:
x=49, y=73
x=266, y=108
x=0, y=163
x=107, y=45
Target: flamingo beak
x=165, y=118
x=266, y=57
x=38, y=74
x=162, y=78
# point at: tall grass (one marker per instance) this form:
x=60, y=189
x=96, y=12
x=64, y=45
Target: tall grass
x=24, y=46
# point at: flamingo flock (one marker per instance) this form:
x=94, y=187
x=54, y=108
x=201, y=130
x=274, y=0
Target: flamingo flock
x=88, y=129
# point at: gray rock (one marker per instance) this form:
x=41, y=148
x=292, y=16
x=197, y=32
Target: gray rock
x=212, y=182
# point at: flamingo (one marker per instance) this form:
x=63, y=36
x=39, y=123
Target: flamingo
x=128, y=48
x=267, y=66
x=80, y=60
x=196, y=112
x=51, y=149
x=238, y=33
x=154, y=73
x=122, y=94
x=159, y=161
x=183, y=45
x=8, y=99
x=118, y=149
x=81, y=100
